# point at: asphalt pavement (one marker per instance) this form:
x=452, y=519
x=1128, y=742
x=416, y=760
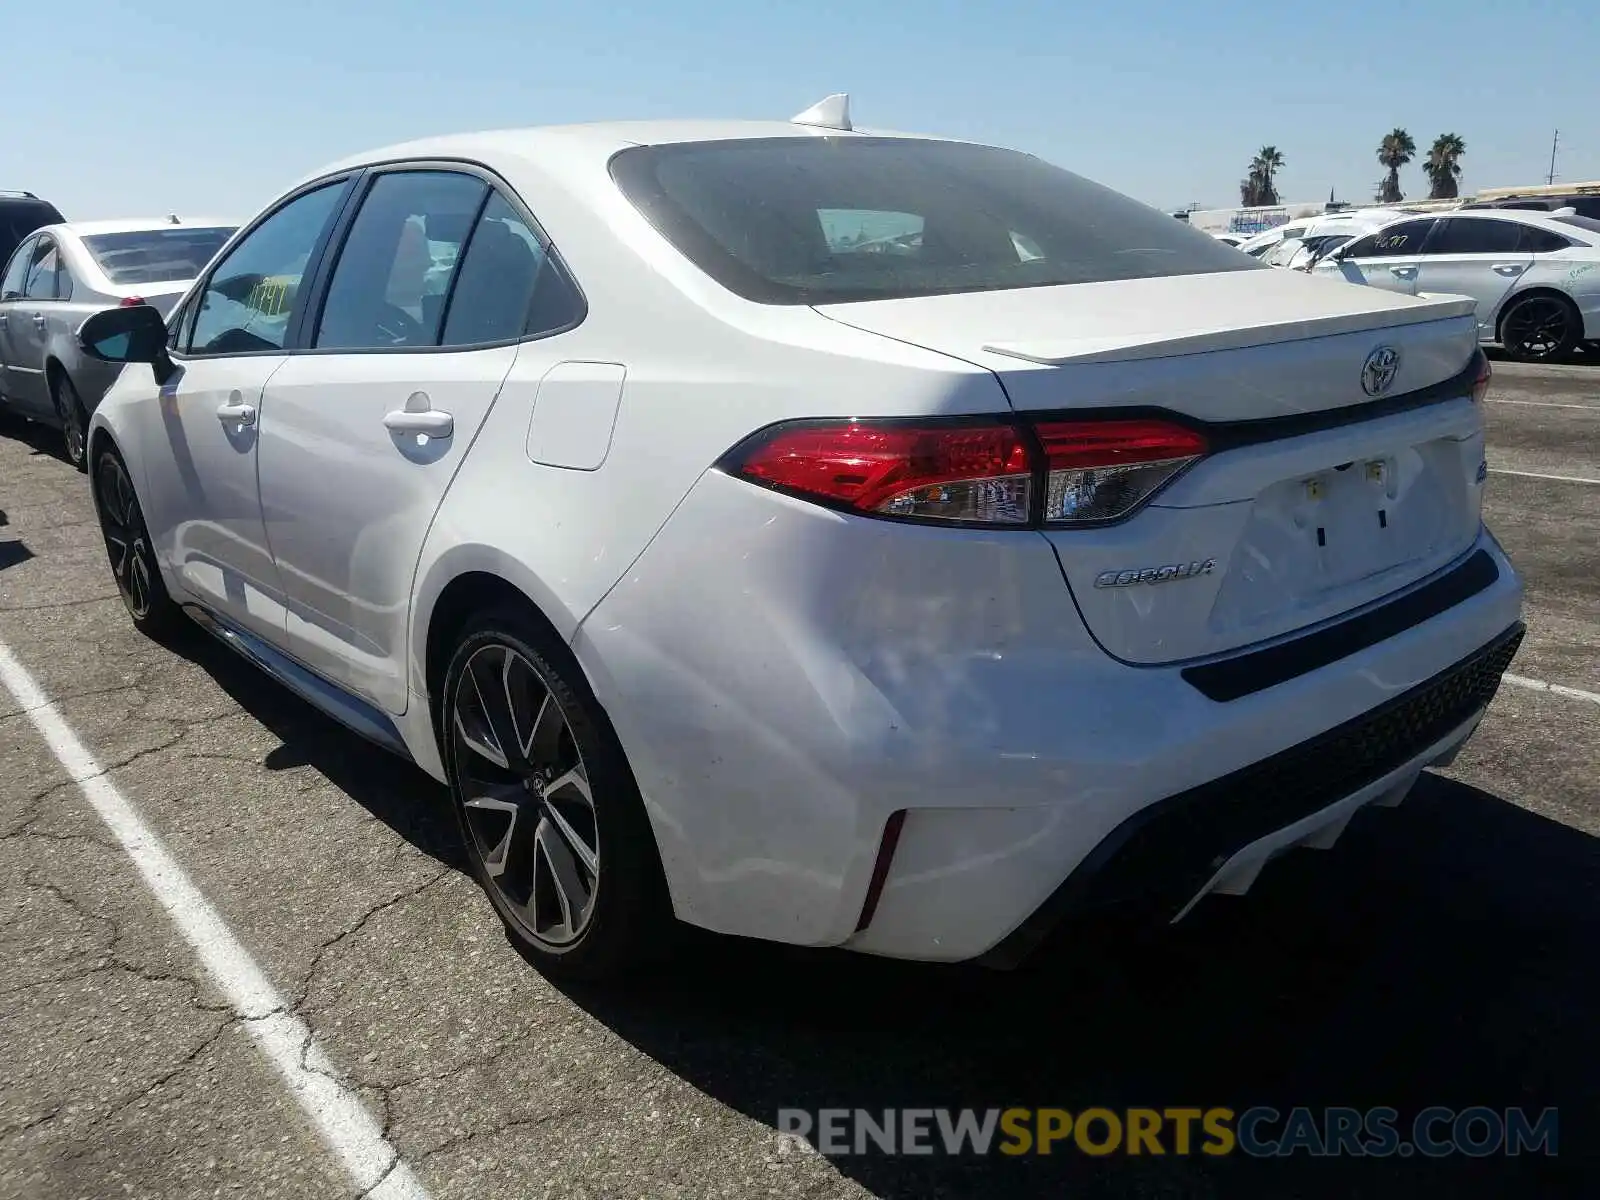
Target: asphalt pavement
x=1442, y=953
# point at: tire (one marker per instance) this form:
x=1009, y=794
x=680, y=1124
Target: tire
x=554, y=829
x=1543, y=327
x=74, y=424
x=133, y=563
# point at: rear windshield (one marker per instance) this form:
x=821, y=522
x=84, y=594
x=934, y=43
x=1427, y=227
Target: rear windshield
x=825, y=220
x=156, y=255
x=1587, y=224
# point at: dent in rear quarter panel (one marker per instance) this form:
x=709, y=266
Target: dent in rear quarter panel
x=783, y=677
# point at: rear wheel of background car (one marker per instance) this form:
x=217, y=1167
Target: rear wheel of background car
x=73, y=422
x=553, y=824
x=1541, y=328
x=133, y=563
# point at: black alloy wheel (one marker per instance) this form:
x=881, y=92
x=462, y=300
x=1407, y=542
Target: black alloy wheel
x=1540, y=328
x=128, y=549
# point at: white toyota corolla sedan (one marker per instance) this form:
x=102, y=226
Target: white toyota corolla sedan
x=838, y=538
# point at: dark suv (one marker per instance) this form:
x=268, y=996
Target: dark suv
x=20, y=214
x=1587, y=204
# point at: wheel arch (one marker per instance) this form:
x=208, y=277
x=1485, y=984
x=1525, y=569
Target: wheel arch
x=1538, y=289
x=470, y=591
x=467, y=580
x=54, y=369
x=99, y=439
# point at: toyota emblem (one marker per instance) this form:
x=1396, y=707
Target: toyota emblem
x=1378, y=372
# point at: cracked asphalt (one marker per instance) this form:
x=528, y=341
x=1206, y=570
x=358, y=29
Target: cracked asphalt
x=1441, y=953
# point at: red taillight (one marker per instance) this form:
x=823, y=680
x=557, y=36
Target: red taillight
x=131, y=301
x=973, y=472
x=964, y=472
x=1103, y=470
x=1480, y=385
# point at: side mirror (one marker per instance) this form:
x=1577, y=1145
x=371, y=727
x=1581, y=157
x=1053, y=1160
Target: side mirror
x=128, y=335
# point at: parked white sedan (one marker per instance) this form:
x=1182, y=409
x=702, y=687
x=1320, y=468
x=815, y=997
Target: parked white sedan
x=734, y=568
x=1535, y=277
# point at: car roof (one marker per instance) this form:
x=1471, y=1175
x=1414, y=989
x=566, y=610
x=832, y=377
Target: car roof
x=592, y=141
x=134, y=225
x=1523, y=216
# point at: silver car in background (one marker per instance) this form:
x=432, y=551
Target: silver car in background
x=1535, y=275
x=60, y=275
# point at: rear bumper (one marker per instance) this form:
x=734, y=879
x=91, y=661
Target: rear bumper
x=1217, y=837
x=784, y=679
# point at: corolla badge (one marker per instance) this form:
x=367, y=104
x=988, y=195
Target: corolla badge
x=1188, y=570
x=1378, y=372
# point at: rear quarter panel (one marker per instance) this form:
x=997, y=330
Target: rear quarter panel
x=1578, y=278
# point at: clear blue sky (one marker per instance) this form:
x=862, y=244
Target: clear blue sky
x=212, y=108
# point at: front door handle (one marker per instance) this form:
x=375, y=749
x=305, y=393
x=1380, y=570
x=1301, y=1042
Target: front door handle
x=236, y=411
x=38, y=319
x=419, y=416
x=4, y=320
x=1510, y=270
x=1403, y=272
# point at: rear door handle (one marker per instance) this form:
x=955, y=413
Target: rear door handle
x=39, y=320
x=5, y=318
x=1403, y=272
x=1511, y=270
x=244, y=414
x=419, y=416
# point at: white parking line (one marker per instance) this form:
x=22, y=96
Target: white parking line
x=1559, y=689
x=348, y=1129
x=1546, y=404
x=1536, y=475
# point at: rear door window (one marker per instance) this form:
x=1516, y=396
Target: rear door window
x=509, y=285
x=1541, y=241
x=1476, y=235
x=41, y=283
x=388, y=287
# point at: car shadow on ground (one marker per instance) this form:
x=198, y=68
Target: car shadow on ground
x=40, y=438
x=1585, y=354
x=390, y=788
x=12, y=553
x=1442, y=953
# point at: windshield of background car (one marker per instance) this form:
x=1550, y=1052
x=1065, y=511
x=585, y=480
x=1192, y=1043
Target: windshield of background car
x=826, y=220
x=155, y=255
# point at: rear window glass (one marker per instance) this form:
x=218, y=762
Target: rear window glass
x=814, y=220
x=156, y=255
x=1588, y=224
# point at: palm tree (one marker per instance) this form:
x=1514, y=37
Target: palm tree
x=1394, y=152
x=1443, y=166
x=1259, y=187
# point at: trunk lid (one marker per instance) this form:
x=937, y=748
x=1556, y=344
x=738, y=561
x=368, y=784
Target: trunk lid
x=162, y=296
x=1296, y=529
